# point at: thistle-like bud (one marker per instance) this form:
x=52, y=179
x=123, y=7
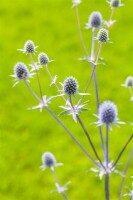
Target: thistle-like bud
x=129, y=81
x=95, y=20
x=29, y=47
x=103, y=35
x=115, y=3
x=107, y=113
x=21, y=71
x=70, y=86
x=43, y=59
x=48, y=159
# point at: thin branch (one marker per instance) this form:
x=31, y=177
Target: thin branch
x=80, y=32
x=57, y=181
x=124, y=174
x=122, y=151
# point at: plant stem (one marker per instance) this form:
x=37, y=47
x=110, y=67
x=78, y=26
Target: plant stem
x=80, y=32
x=30, y=89
x=38, y=79
x=131, y=92
x=95, y=81
x=57, y=182
x=106, y=164
x=89, y=139
x=124, y=173
x=87, y=86
x=107, y=147
x=122, y=151
x=107, y=186
x=112, y=12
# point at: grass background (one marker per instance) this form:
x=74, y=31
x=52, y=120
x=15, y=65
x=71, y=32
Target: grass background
x=25, y=135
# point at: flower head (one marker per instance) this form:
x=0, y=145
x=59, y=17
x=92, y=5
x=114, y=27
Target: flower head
x=128, y=82
x=43, y=59
x=103, y=35
x=76, y=2
x=49, y=161
x=95, y=20
x=29, y=47
x=115, y=3
x=70, y=86
x=21, y=72
x=107, y=114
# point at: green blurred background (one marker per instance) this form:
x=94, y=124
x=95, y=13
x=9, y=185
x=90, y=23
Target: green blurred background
x=25, y=135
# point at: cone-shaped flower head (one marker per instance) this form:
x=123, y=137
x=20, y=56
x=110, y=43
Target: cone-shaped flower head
x=128, y=82
x=115, y=3
x=21, y=71
x=103, y=35
x=70, y=86
x=95, y=20
x=29, y=47
x=107, y=114
x=43, y=59
x=48, y=159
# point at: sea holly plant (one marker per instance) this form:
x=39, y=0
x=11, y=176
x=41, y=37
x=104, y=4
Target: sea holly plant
x=74, y=104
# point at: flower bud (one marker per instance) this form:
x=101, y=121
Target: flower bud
x=95, y=20
x=129, y=81
x=21, y=71
x=107, y=113
x=70, y=86
x=48, y=159
x=43, y=59
x=29, y=47
x=103, y=35
x=115, y=3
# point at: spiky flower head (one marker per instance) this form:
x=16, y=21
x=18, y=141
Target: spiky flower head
x=128, y=82
x=70, y=86
x=95, y=20
x=21, y=71
x=29, y=47
x=102, y=35
x=115, y=3
x=48, y=159
x=43, y=59
x=75, y=2
x=107, y=112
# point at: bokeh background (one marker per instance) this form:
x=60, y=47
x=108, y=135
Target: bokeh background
x=24, y=134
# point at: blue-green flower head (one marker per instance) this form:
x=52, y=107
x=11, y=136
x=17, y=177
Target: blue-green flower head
x=103, y=35
x=70, y=86
x=95, y=20
x=43, y=59
x=21, y=71
x=48, y=159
